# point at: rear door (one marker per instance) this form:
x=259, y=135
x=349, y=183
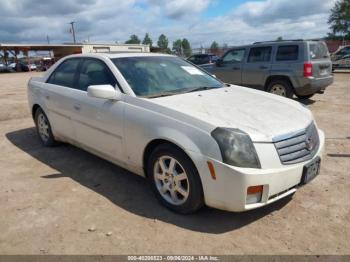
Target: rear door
x=320, y=59
x=58, y=97
x=257, y=67
x=230, y=68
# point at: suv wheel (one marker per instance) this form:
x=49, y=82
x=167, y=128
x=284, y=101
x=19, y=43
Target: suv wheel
x=175, y=180
x=281, y=88
x=43, y=128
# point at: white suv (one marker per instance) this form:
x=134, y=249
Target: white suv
x=197, y=140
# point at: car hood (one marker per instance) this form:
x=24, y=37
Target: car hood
x=262, y=115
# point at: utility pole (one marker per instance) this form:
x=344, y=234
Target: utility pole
x=73, y=31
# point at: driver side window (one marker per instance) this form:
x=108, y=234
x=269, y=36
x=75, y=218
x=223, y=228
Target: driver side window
x=234, y=56
x=94, y=72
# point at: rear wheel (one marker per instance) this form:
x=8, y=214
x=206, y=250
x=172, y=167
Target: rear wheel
x=281, y=88
x=43, y=128
x=174, y=179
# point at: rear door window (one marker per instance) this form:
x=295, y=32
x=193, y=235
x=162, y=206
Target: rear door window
x=259, y=54
x=65, y=74
x=287, y=53
x=318, y=50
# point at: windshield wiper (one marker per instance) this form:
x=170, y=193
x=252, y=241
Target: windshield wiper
x=202, y=88
x=161, y=94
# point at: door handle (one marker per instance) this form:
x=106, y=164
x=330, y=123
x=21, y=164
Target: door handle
x=236, y=68
x=263, y=67
x=77, y=107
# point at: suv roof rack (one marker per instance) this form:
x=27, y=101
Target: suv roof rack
x=277, y=41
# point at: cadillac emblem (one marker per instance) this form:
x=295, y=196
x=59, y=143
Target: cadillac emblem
x=309, y=144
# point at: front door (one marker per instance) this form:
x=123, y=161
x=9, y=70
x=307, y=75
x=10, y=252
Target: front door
x=98, y=122
x=229, y=70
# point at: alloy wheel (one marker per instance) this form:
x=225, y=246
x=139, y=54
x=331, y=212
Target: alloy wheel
x=278, y=89
x=43, y=127
x=171, y=180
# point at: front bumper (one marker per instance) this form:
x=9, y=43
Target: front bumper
x=229, y=190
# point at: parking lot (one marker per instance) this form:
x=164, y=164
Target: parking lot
x=64, y=200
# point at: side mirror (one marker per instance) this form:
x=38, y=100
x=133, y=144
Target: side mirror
x=104, y=92
x=219, y=62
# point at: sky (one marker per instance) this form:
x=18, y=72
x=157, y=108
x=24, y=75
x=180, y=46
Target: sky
x=231, y=22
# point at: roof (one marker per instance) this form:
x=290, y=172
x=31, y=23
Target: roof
x=42, y=47
x=118, y=55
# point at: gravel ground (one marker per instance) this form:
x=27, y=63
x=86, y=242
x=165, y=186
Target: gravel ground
x=66, y=201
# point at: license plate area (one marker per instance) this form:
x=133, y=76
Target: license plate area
x=310, y=171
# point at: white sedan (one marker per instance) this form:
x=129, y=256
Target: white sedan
x=197, y=140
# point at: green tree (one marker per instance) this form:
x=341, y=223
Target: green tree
x=177, y=47
x=339, y=19
x=280, y=38
x=133, y=40
x=147, y=40
x=214, y=46
x=186, y=47
x=163, y=43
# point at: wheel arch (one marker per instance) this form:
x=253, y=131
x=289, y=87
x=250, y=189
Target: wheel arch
x=153, y=144
x=35, y=107
x=278, y=77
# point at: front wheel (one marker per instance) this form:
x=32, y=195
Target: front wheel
x=175, y=180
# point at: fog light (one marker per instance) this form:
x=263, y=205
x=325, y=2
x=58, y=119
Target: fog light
x=254, y=194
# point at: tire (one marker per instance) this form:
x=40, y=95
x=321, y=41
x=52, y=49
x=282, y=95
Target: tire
x=280, y=87
x=184, y=194
x=43, y=128
x=305, y=97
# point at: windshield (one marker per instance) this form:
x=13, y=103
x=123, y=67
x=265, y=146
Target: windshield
x=154, y=76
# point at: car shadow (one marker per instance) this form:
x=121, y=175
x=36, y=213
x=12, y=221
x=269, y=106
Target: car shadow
x=126, y=190
x=306, y=101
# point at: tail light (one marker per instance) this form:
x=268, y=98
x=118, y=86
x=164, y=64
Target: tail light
x=307, y=69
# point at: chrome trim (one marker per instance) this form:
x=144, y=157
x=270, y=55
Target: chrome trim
x=291, y=134
x=298, y=146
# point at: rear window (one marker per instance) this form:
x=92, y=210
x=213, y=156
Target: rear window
x=318, y=50
x=259, y=54
x=287, y=53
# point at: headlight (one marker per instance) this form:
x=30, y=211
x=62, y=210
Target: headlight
x=236, y=147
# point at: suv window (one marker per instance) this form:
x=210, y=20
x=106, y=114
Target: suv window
x=199, y=59
x=259, y=54
x=95, y=72
x=234, y=56
x=65, y=73
x=318, y=50
x=344, y=51
x=287, y=53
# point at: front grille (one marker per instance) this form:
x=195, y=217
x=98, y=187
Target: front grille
x=299, y=147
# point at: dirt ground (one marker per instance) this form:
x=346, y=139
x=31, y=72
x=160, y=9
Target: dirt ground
x=66, y=201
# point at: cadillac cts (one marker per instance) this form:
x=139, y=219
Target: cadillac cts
x=197, y=140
